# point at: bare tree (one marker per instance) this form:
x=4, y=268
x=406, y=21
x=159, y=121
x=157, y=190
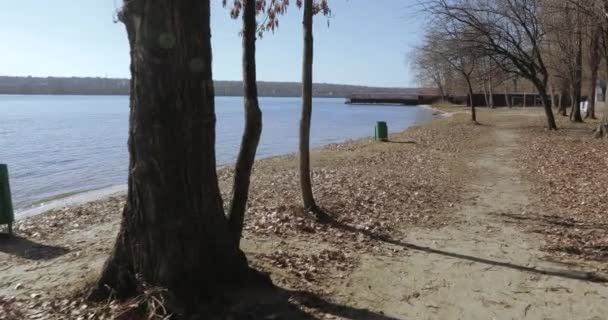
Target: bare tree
x=452, y=49
x=253, y=118
x=311, y=7
x=431, y=70
x=509, y=31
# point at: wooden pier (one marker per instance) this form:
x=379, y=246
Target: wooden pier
x=408, y=100
x=405, y=100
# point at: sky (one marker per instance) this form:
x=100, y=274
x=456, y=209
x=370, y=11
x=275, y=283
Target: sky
x=366, y=42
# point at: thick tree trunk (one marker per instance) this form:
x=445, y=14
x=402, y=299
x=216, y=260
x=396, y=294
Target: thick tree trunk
x=471, y=101
x=253, y=126
x=507, y=101
x=174, y=233
x=305, y=174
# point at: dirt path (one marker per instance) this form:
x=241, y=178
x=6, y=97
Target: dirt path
x=480, y=267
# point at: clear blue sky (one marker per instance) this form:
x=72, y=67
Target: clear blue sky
x=365, y=44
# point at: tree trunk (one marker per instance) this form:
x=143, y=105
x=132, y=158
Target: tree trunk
x=174, y=233
x=524, y=102
x=471, y=101
x=440, y=86
x=575, y=115
x=507, y=102
x=441, y=91
x=486, y=97
x=563, y=106
x=594, y=65
x=542, y=91
x=491, y=93
x=575, y=112
x=552, y=88
x=253, y=126
x=305, y=174
x=572, y=103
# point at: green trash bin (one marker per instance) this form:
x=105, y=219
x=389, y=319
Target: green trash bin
x=381, y=131
x=6, y=204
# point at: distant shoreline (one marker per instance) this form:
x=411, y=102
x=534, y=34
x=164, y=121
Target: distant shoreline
x=120, y=86
x=126, y=95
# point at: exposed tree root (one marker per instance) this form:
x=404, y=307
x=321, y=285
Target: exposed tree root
x=320, y=214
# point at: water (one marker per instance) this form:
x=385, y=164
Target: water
x=57, y=146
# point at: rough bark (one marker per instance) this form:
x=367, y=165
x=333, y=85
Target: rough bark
x=253, y=126
x=174, y=233
x=305, y=174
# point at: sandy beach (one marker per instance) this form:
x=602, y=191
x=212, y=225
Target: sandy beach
x=447, y=218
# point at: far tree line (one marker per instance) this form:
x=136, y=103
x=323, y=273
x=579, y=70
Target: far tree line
x=118, y=86
x=555, y=48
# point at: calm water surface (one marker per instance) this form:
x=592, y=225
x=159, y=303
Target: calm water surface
x=60, y=145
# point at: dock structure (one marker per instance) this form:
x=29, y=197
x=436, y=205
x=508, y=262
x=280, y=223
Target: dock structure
x=395, y=99
x=408, y=100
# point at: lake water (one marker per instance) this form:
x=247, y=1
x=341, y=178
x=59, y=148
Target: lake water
x=61, y=145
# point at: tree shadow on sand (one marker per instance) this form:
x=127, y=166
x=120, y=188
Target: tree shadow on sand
x=402, y=142
x=278, y=303
x=27, y=249
x=562, y=273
